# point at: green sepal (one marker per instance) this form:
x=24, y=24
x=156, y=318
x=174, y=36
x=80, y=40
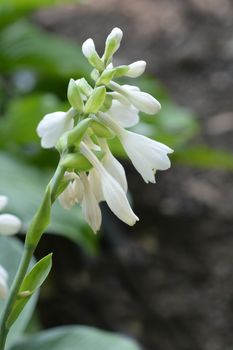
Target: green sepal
x=95, y=101
x=33, y=280
x=79, y=162
x=107, y=103
x=106, y=77
x=73, y=136
x=85, y=88
x=101, y=130
x=95, y=74
x=74, y=96
x=121, y=71
x=40, y=221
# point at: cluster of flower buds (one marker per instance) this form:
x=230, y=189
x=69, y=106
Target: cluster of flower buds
x=3, y=283
x=81, y=135
x=9, y=224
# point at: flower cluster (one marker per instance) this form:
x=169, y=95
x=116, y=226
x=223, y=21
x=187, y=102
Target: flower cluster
x=9, y=224
x=81, y=135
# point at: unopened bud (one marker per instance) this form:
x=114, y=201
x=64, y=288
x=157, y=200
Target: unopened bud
x=74, y=96
x=112, y=43
x=95, y=101
x=90, y=53
x=136, y=69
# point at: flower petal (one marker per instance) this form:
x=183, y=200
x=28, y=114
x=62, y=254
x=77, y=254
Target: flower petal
x=9, y=224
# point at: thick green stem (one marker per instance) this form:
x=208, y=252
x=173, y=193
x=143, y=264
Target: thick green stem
x=24, y=264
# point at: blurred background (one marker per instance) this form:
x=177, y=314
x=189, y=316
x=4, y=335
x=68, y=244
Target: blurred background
x=168, y=281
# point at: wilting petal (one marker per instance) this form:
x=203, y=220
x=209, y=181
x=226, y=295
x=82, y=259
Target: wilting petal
x=3, y=202
x=52, y=127
x=9, y=224
x=126, y=116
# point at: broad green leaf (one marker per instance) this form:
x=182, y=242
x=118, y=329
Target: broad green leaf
x=25, y=185
x=11, y=250
x=23, y=45
x=76, y=337
x=33, y=280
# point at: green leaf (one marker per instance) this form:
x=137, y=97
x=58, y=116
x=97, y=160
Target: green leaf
x=23, y=45
x=76, y=337
x=11, y=250
x=33, y=280
x=25, y=185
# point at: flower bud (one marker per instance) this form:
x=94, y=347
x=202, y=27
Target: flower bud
x=95, y=101
x=112, y=43
x=74, y=96
x=136, y=69
x=9, y=224
x=3, y=201
x=84, y=87
x=90, y=53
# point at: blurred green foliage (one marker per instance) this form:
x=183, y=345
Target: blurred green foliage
x=35, y=68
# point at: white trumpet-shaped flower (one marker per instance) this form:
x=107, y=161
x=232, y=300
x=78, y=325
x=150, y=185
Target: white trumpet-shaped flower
x=141, y=100
x=146, y=155
x=89, y=205
x=126, y=116
x=113, y=166
x=9, y=224
x=3, y=283
x=136, y=69
x=52, y=126
x=113, y=193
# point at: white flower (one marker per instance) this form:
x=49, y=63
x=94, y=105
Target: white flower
x=141, y=100
x=53, y=126
x=112, y=191
x=9, y=224
x=73, y=192
x=136, y=69
x=88, y=48
x=113, y=166
x=146, y=155
x=89, y=204
x=126, y=116
x=3, y=283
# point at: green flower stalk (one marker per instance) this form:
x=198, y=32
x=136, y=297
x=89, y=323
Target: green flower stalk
x=88, y=172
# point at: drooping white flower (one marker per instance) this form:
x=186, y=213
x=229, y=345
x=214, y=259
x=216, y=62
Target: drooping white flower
x=126, y=116
x=53, y=126
x=89, y=205
x=146, y=155
x=9, y=224
x=112, y=191
x=141, y=100
x=136, y=69
x=113, y=166
x=3, y=283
